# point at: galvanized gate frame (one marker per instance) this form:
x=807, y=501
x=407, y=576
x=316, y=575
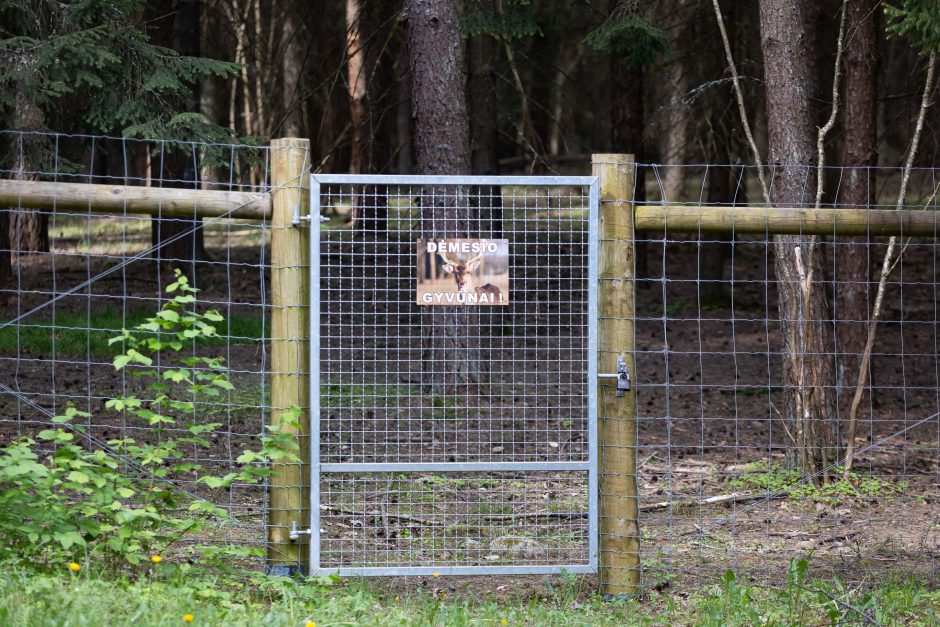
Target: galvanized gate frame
x=590, y=465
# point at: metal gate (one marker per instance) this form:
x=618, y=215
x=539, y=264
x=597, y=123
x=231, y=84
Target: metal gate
x=454, y=439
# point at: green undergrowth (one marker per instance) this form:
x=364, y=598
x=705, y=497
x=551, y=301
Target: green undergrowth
x=167, y=592
x=763, y=477
x=80, y=334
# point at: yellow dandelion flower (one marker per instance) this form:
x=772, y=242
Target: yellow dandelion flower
x=156, y=559
x=435, y=575
x=504, y=622
x=310, y=623
x=74, y=567
x=188, y=618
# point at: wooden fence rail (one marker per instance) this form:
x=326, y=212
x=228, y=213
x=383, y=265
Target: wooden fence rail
x=674, y=218
x=121, y=199
x=786, y=220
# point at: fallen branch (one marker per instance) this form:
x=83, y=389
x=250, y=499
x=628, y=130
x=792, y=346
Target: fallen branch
x=712, y=500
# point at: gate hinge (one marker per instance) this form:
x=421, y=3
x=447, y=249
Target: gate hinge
x=295, y=532
x=622, y=376
x=297, y=219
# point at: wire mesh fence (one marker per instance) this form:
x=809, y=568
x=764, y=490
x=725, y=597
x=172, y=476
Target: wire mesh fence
x=721, y=472
x=79, y=277
x=723, y=480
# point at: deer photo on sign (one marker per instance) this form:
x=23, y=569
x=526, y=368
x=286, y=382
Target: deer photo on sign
x=463, y=272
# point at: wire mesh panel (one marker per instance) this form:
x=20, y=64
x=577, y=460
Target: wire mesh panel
x=78, y=277
x=454, y=391
x=723, y=474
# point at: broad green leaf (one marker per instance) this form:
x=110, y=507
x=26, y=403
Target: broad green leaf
x=78, y=477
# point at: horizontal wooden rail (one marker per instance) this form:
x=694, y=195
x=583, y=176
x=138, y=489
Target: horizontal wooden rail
x=179, y=202
x=783, y=220
x=164, y=201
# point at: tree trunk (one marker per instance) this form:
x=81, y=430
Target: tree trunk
x=356, y=81
x=6, y=267
x=714, y=250
x=404, y=134
x=179, y=241
x=369, y=62
x=6, y=253
x=484, y=128
x=295, y=51
x=442, y=146
x=721, y=183
x=627, y=122
x=852, y=270
x=28, y=230
x=442, y=141
x=356, y=89
x=808, y=370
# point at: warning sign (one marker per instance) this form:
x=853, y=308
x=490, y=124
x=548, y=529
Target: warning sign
x=463, y=272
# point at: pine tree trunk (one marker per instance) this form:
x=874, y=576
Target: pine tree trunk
x=627, y=124
x=721, y=181
x=180, y=242
x=369, y=62
x=356, y=80
x=442, y=146
x=292, y=69
x=6, y=267
x=356, y=90
x=483, y=126
x=853, y=271
x=713, y=250
x=808, y=370
x=6, y=253
x=28, y=230
x=404, y=133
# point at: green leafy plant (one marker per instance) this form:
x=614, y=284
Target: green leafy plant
x=775, y=478
x=116, y=504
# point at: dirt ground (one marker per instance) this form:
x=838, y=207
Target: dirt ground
x=708, y=380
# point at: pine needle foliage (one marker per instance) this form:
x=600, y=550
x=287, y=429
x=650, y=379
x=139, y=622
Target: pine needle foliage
x=918, y=20
x=627, y=34
x=88, y=66
x=514, y=19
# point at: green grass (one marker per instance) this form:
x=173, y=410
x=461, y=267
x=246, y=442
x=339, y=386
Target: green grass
x=77, y=334
x=167, y=593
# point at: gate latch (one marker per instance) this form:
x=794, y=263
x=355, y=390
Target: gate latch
x=622, y=376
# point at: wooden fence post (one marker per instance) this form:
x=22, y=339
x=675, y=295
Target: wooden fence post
x=619, y=514
x=289, y=497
